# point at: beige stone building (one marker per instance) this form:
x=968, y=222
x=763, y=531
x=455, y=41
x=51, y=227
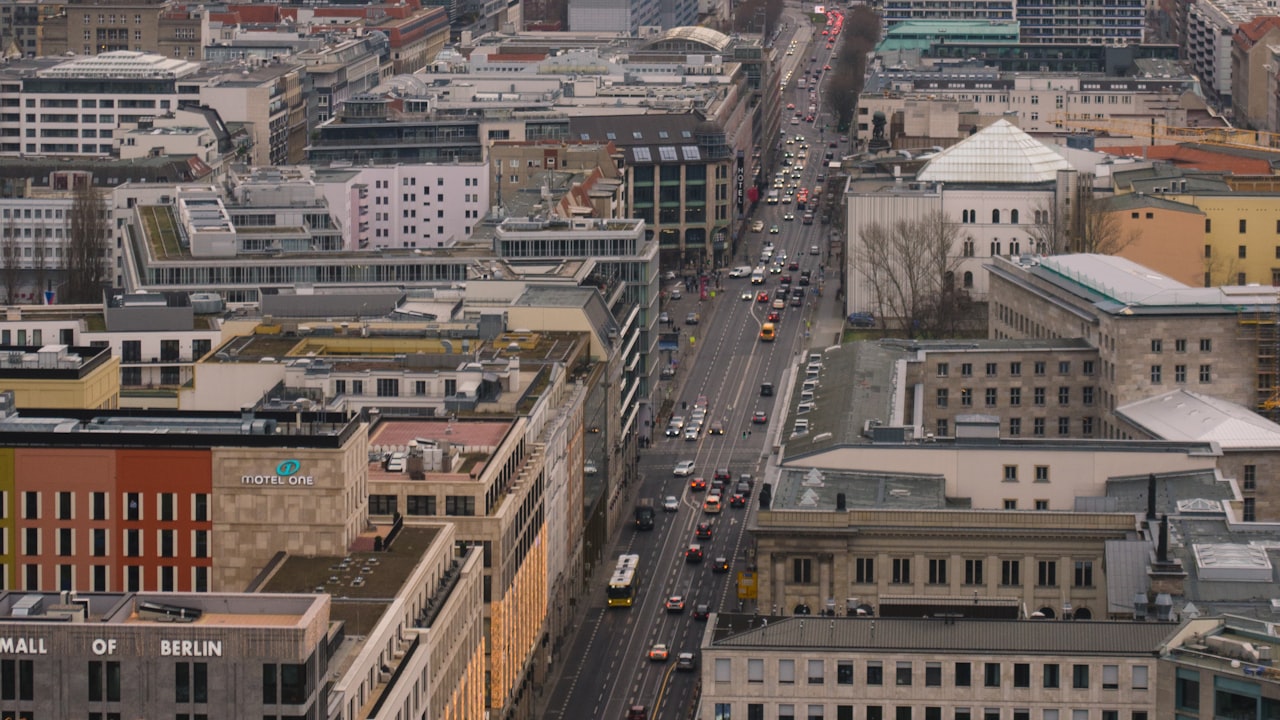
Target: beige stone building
x=929, y=669
x=164, y=27
x=1152, y=333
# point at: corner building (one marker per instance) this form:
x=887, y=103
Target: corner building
x=172, y=502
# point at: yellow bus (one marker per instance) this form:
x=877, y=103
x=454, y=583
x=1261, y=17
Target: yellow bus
x=767, y=332
x=624, y=583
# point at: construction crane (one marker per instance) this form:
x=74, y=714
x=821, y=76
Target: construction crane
x=1158, y=132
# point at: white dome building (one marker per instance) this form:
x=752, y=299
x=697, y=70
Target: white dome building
x=1000, y=185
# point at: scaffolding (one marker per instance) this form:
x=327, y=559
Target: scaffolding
x=1262, y=325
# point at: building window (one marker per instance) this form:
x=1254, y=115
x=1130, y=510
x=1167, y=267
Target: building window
x=1064, y=395
x=1015, y=427
x=875, y=673
x=459, y=505
x=802, y=570
x=966, y=397
x=388, y=387
x=1080, y=677
x=1179, y=373
x=420, y=505
x=937, y=571
x=991, y=675
x=201, y=507
x=1010, y=473
x=1047, y=573
x=66, y=542
x=1015, y=397
x=1180, y=345
x=1037, y=397
x=942, y=397
x=1010, y=503
x=1157, y=345
x=933, y=674
x=166, y=506
x=64, y=506
x=902, y=675
x=99, y=506
x=1037, y=427
x=104, y=681
x=1039, y=368
x=1110, y=677
x=1086, y=394
x=940, y=427
x=973, y=572
x=1015, y=369
x=1084, y=573
x=815, y=672
x=963, y=674
x=943, y=369
x=901, y=571
x=1140, y=679
x=966, y=369
x=1206, y=373
x=1243, y=225
x=844, y=673
x=1051, y=676
x=382, y=504
x=991, y=369
x=1156, y=372
x=200, y=543
x=1250, y=477
x=30, y=505
x=991, y=397
x=864, y=570
x=133, y=543
x=133, y=506
x=1042, y=504
x=755, y=670
x=1250, y=509
x=17, y=679
x=1010, y=572
x=99, y=539
x=787, y=672
x=1206, y=345
x=191, y=683
x=724, y=668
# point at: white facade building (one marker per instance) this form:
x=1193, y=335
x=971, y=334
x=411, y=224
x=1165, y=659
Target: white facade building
x=406, y=206
x=999, y=186
x=75, y=107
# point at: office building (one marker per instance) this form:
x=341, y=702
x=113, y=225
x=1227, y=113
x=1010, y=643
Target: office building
x=170, y=29
x=80, y=377
x=1039, y=21
x=1211, y=27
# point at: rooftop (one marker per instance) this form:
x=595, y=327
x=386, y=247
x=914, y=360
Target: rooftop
x=362, y=584
x=1182, y=415
x=121, y=65
x=472, y=435
x=799, y=488
x=1000, y=153
x=934, y=635
x=197, y=609
x=854, y=386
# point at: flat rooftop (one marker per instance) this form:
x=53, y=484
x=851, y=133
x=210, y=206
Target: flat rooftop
x=799, y=488
x=362, y=584
x=207, y=609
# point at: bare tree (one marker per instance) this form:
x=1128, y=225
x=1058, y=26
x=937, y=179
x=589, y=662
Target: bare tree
x=40, y=261
x=86, y=245
x=1049, y=231
x=1101, y=230
x=10, y=261
x=910, y=267
x=1221, y=270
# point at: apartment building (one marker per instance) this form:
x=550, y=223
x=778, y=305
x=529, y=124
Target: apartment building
x=1210, y=33
x=1252, y=80
x=57, y=376
x=1039, y=21
x=1219, y=667
x=931, y=668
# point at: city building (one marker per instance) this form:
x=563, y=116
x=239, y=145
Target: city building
x=164, y=27
x=341, y=70
x=932, y=668
x=1233, y=242
x=1252, y=74
x=526, y=168
x=372, y=129
x=269, y=100
x=1039, y=21
x=1152, y=333
x=999, y=186
x=21, y=25
x=58, y=376
x=1219, y=666
x=94, y=506
x=404, y=205
x=1211, y=28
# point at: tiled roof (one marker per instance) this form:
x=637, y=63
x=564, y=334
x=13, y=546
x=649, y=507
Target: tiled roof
x=932, y=635
x=1249, y=33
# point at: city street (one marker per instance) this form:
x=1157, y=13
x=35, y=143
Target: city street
x=605, y=668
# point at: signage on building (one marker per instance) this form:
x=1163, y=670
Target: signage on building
x=191, y=648
x=740, y=180
x=286, y=474
x=23, y=646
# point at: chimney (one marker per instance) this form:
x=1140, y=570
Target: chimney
x=1151, y=497
x=1162, y=550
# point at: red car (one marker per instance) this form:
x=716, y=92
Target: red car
x=762, y=297
x=697, y=484
x=826, y=67
x=722, y=474
x=774, y=316
x=759, y=417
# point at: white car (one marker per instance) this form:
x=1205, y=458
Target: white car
x=671, y=504
x=684, y=468
x=747, y=295
x=590, y=468
x=740, y=272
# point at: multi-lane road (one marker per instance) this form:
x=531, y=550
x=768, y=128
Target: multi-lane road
x=606, y=669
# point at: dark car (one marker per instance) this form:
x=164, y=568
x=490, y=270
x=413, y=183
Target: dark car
x=766, y=389
x=722, y=474
x=701, y=612
x=785, y=280
x=720, y=565
x=743, y=488
x=862, y=320
x=774, y=316
x=793, y=266
x=737, y=500
x=697, y=484
x=703, y=531
x=693, y=554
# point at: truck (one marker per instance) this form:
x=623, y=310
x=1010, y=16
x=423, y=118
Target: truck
x=644, y=514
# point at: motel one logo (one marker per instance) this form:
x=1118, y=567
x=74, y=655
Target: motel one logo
x=287, y=473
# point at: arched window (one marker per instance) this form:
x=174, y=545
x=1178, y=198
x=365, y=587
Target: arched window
x=968, y=280
x=1013, y=216
x=964, y=216
x=995, y=217
x=1014, y=248
x=995, y=248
